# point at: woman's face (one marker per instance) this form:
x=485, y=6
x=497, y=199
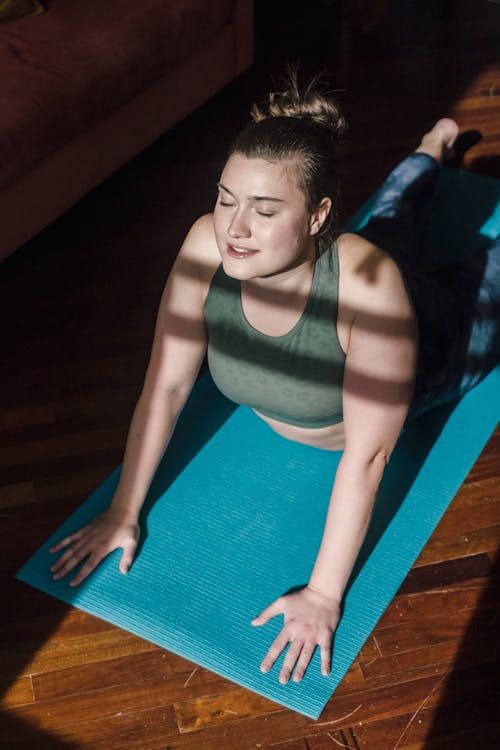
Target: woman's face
x=262, y=225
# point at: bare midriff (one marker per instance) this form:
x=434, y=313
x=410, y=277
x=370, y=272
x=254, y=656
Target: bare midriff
x=330, y=438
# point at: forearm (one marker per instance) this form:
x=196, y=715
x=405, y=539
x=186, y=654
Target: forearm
x=150, y=430
x=347, y=521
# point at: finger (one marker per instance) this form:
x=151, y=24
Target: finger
x=304, y=660
x=326, y=656
x=61, y=561
x=74, y=559
x=128, y=556
x=71, y=563
x=67, y=561
x=73, y=551
x=68, y=540
x=276, y=608
x=275, y=650
x=92, y=563
x=291, y=657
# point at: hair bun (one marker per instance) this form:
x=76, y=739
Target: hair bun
x=309, y=101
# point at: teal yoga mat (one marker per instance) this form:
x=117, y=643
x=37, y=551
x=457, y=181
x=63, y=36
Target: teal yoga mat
x=234, y=518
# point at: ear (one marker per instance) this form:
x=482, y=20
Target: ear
x=320, y=215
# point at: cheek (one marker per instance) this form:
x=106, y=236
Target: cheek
x=290, y=235
x=282, y=237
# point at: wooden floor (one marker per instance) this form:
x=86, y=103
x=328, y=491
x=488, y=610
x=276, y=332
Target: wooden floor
x=78, y=307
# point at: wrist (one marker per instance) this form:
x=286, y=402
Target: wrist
x=329, y=596
x=122, y=513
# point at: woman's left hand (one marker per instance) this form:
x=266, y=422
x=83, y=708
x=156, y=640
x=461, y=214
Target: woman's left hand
x=310, y=620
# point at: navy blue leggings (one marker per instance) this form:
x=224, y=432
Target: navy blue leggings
x=458, y=306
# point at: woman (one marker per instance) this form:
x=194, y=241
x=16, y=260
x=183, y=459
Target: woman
x=320, y=336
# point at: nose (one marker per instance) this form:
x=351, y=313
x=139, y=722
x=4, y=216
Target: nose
x=238, y=226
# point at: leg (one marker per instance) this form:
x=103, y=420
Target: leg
x=474, y=348
x=480, y=342
x=400, y=206
x=403, y=199
x=458, y=307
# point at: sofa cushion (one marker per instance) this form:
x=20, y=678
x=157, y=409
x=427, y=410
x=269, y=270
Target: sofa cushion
x=11, y=9
x=64, y=71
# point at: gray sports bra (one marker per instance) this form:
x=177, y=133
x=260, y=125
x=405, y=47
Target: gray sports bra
x=295, y=378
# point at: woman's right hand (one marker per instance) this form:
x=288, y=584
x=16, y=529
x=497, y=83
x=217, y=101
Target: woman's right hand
x=94, y=542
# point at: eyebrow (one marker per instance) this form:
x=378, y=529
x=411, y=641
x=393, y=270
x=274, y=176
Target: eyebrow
x=253, y=197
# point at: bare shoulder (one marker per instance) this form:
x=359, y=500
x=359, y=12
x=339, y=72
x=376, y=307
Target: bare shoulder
x=199, y=250
x=180, y=335
x=369, y=276
x=189, y=279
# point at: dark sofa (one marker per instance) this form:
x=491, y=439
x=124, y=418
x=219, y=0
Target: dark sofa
x=87, y=85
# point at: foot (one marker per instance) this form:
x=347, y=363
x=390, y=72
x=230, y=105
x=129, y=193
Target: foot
x=438, y=142
x=465, y=141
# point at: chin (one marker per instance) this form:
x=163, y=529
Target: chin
x=238, y=269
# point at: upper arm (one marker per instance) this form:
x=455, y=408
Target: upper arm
x=180, y=339
x=380, y=363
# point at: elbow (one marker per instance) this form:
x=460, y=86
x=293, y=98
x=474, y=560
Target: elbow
x=376, y=465
x=378, y=462
x=369, y=466
x=381, y=458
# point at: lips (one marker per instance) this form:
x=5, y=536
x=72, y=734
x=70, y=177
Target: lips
x=235, y=251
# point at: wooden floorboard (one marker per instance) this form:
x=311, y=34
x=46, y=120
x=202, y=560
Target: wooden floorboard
x=78, y=306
